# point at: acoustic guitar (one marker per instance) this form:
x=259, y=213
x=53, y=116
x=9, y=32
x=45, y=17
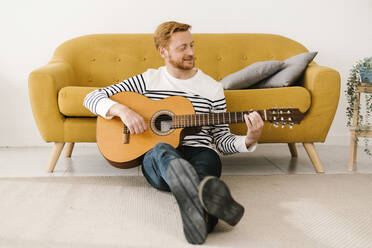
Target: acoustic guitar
x=168, y=121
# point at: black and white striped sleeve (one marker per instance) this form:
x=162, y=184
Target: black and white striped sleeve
x=226, y=142
x=98, y=101
x=223, y=138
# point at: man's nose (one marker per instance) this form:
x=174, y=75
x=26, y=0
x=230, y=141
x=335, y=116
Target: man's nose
x=190, y=51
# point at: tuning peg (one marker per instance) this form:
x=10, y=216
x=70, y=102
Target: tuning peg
x=283, y=125
x=290, y=125
x=275, y=124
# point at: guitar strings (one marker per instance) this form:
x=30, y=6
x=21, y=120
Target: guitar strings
x=206, y=117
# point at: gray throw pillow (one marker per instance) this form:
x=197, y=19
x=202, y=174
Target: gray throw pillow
x=291, y=71
x=251, y=74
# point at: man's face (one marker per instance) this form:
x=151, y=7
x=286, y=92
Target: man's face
x=180, y=51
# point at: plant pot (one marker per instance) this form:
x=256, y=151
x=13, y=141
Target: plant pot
x=365, y=75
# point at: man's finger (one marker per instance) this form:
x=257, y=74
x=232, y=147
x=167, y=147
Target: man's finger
x=260, y=122
x=248, y=121
x=255, y=119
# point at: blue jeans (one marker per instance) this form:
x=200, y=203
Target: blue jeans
x=205, y=161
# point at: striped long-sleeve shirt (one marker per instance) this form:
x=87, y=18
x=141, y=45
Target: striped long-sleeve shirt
x=205, y=94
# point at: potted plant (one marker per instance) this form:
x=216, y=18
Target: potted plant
x=361, y=72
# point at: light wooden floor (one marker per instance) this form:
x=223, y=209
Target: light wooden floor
x=268, y=159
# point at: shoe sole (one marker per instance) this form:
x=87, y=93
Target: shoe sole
x=216, y=199
x=183, y=182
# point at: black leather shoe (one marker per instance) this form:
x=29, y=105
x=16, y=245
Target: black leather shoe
x=216, y=199
x=183, y=182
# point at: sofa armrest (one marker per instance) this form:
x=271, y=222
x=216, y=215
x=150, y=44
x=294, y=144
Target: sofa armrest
x=324, y=86
x=44, y=84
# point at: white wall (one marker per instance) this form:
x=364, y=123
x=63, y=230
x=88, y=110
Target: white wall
x=30, y=31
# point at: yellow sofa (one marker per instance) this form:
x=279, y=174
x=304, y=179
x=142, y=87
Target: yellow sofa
x=80, y=65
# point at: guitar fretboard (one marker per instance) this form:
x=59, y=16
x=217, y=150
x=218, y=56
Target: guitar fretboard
x=197, y=120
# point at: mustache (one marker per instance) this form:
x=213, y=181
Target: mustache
x=190, y=57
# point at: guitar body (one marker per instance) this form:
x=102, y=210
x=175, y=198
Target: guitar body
x=110, y=132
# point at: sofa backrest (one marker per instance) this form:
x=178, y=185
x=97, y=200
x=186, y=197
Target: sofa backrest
x=102, y=59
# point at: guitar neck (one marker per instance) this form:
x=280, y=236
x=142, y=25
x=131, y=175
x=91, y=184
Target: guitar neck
x=198, y=120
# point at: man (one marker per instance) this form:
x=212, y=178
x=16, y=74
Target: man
x=192, y=171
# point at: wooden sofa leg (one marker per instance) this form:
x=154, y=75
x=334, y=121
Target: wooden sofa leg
x=353, y=151
x=310, y=149
x=57, y=149
x=69, y=148
x=293, y=149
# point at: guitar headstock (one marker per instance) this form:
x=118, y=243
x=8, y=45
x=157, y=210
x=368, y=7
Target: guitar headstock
x=284, y=116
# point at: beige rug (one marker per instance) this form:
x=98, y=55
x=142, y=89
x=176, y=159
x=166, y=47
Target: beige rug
x=281, y=211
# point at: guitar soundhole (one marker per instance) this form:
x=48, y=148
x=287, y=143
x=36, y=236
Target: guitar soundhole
x=161, y=123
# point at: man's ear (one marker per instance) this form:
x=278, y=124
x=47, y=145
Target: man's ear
x=163, y=52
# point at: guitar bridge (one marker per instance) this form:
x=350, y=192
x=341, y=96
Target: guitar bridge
x=126, y=135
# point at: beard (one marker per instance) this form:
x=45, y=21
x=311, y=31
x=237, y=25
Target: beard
x=182, y=64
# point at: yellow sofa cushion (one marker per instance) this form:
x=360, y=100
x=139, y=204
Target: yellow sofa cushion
x=70, y=99
x=260, y=99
